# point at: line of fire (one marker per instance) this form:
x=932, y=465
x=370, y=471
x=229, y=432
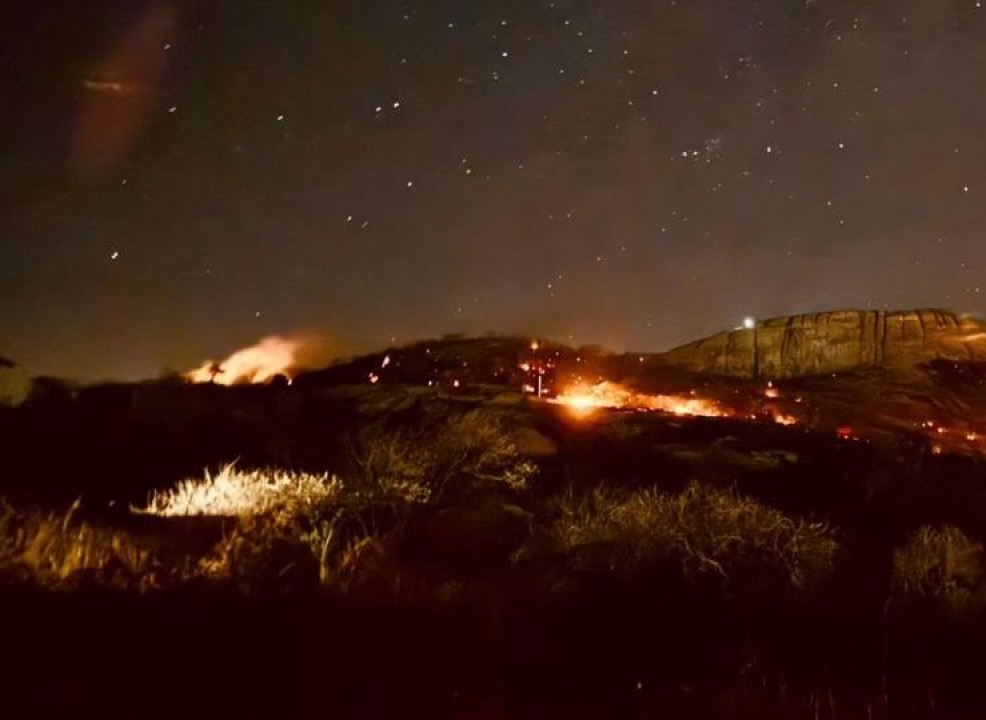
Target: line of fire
x=584, y=382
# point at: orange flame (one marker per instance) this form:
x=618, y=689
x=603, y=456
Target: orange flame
x=258, y=363
x=583, y=399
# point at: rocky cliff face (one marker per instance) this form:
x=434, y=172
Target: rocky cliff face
x=823, y=343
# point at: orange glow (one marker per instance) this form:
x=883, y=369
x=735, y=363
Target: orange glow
x=782, y=419
x=583, y=399
x=258, y=363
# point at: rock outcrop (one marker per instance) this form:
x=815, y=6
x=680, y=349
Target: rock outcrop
x=830, y=342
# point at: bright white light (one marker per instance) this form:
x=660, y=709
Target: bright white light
x=749, y=323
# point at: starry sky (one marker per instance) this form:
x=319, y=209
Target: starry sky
x=179, y=179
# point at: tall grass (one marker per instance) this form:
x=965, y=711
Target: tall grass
x=702, y=531
x=284, y=520
x=280, y=522
x=940, y=563
x=475, y=449
x=236, y=492
x=54, y=547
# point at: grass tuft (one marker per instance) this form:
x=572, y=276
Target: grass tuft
x=942, y=563
x=702, y=531
x=240, y=493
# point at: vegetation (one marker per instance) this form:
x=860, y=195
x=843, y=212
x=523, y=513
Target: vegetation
x=281, y=525
x=54, y=548
x=702, y=531
x=939, y=563
x=237, y=492
x=404, y=524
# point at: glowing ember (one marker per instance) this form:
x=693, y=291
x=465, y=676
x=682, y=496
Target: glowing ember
x=845, y=432
x=583, y=399
x=782, y=419
x=258, y=363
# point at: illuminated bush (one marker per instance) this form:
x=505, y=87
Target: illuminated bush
x=284, y=520
x=281, y=524
x=236, y=492
x=703, y=532
x=55, y=547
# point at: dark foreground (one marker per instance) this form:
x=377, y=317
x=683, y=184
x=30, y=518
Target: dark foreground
x=217, y=654
x=633, y=566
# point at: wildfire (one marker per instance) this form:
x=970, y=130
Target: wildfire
x=258, y=363
x=583, y=399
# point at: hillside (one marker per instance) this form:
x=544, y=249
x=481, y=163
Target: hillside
x=436, y=527
x=832, y=342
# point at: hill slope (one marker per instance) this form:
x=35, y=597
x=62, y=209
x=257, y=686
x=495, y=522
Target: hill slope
x=839, y=341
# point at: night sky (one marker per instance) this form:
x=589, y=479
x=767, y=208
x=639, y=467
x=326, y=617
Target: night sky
x=180, y=179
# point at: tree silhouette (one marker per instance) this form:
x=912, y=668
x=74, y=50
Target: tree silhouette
x=215, y=369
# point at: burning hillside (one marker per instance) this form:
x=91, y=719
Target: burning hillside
x=871, y=404
x=259, y=363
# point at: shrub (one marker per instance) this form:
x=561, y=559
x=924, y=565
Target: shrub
x=476, y=447
x=270, y=550
x=703, y=532
x=284, y=523
x=392, y=465
x=54, y=547
x=940, y=563
x=237, y=492
x=283, y=519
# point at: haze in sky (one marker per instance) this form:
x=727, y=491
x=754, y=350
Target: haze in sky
x=179, y=179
